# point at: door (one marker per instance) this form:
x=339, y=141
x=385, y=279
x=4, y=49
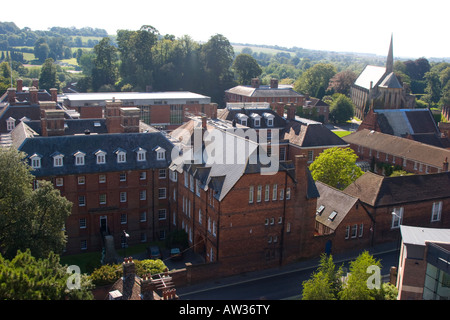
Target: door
x=104, y=224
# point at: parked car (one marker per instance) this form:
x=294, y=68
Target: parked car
x=154, y=252
x=176, y=254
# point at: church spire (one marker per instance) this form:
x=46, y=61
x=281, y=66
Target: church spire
x=390, y=57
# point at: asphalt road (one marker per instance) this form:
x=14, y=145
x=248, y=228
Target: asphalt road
x=280, y=285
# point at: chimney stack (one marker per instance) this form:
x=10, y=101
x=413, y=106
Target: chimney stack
x=52, y=122
x=279, y=109
x=274, y=83
x=34, y=95
x=54, y=94
x=113, y=117
x=19, y=85
x=128, y=266
x=445, y=165
x=255, y=83
x=35, y=83
x=129, y=119
x=12, y=96
x=291, y=112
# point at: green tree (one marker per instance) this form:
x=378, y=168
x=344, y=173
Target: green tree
x=246, y=68
x=325, y=282
x=315, y=80
x=29, y=218
x=26, y=278
x=48, y=77
x=104, y=71
x=41, y=50
x=342, y=108
x=336, y=167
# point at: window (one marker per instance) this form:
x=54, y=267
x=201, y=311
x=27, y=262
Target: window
x=270, y=122
x=83, y=245
x=281, y=194
x=100, y=157
x=361, y=229
x=274, y=192
x=123, y=176
x=123, y=197
x=59, y=182
x=162, y=193
x=35, y=161
x=288, y=193
x=397, y=217
x=258, y=194
x=79, y=158
x=10, y=124
x=250, y=194
x=123, y=218
x=257, y=122
x=143, y=216
x=140, y=154
x=173, y=175
x=142, y=195
x=267, y=193
x=162, y=174
x=81, y=180
x=436, y=211
x=81, y=201
x=310, y=156
x=82, y=223
x=162, y=214
x=160, y=153
x=186, y=179
x=142, y=175
x=102, y=198
x=347, y=232
x=354, y=231
x=58, y=160
x=102, y=178
x=121, y=156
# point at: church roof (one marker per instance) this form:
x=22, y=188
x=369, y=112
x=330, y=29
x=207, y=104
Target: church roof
x=391, y=81
x=370, y=74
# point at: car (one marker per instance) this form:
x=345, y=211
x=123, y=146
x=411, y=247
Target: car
x=176, y=254
x=154, y=252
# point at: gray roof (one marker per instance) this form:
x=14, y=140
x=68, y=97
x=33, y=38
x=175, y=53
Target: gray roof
x=370, y=74
x=419, y=235
x=264, y=91
x=89, y=145
x=391, y=81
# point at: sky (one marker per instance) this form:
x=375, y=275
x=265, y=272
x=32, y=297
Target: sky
x=419, y=28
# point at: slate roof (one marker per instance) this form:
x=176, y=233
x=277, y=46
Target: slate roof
x=264, y=91
x=332, y=200
x=91, y=144
x=311, y=135
x=391, y=81
x=418, y=235
x=231, y=114
x=377, y=190
x=399, y=147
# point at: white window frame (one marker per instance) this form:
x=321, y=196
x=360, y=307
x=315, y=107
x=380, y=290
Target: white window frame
x=251, y=192
x=121, y=157
x=10, y=124
x=436, y=211
x=141, y=155
x=35, y=161
x=397, y=218
x=58, y=160
x=123, y=196
x=100, y=157
x=162, y=193
x=79, y=158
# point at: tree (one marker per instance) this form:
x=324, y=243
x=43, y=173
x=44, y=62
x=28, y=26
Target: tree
x=41, y=50
x=341, y=109
x=246, y=68
x=48, y=77
x=325, y=283
x=342, y=81
x=26, y=278
x=315, y=80
x=336, y=167
x=104, y=71
x=29, y=218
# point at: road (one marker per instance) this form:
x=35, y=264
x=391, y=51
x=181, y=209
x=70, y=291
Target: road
x=281, y=285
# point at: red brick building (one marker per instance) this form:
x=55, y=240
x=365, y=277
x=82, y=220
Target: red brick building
x=416, y=200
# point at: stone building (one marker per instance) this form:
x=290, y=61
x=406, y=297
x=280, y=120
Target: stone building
x=378, y=88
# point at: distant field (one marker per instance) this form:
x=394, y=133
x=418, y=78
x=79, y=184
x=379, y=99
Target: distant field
x=238, y=48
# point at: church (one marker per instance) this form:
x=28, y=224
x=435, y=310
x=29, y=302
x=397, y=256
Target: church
x=378, y=88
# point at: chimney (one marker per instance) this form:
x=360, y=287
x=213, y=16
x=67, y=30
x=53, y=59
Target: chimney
x=255, y=83
x=12, y=96
x=148, y=286
x=35, y=83
x=34, y=95
x=204, y=123
x=291, y=112
x=113, y=118
x=445, y=165
x=19, y=85
x=54, y=94
x=128, y=266
x=129, y=119
x=52, y=122
x=274, y=83
x=301, y=164
x=280, y=109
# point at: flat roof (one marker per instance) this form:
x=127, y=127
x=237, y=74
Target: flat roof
x=142, y=97
x=418, y=235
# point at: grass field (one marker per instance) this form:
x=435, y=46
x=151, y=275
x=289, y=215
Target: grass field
x=342, y=133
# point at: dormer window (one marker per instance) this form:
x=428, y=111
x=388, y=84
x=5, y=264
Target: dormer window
x=35, y=160
x=242, y=119
x=141, y=154
x=58, y=159
x=256, y=119
x=121, y=156
x=160, y=153
x=79, y=158
x=10, y=123
x=269, y=119
x=101, y=157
